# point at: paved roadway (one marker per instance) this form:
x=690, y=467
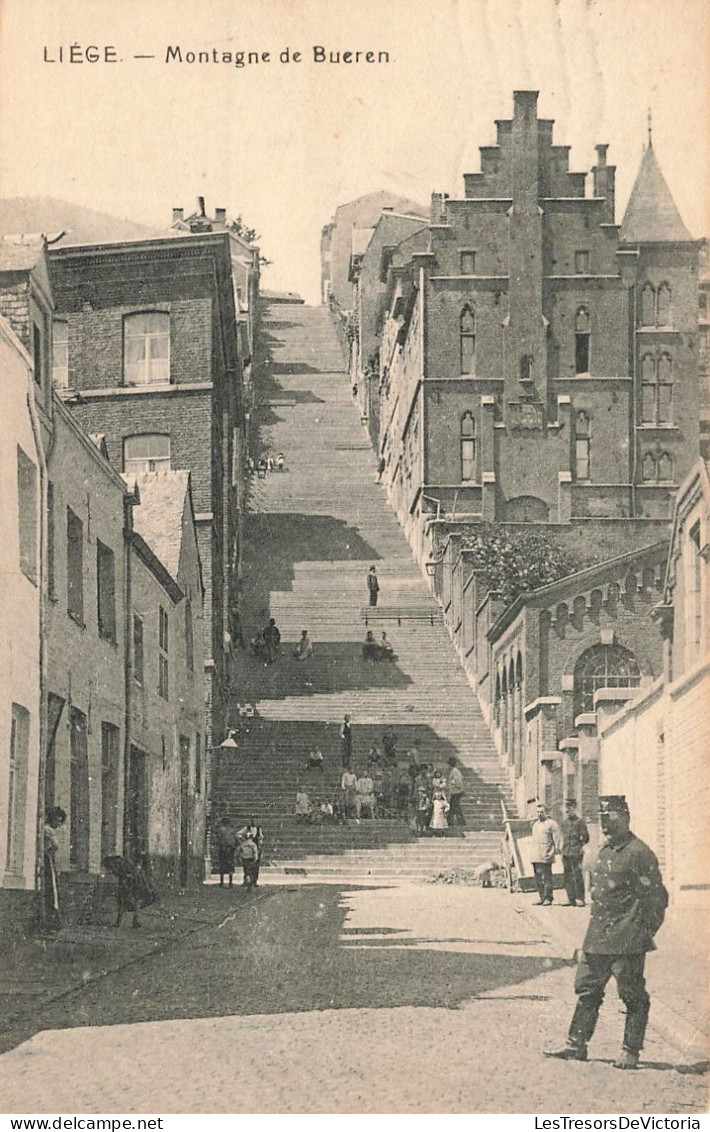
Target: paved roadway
x=321, y=999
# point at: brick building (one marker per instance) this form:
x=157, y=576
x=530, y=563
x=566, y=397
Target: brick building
x=165, y=805
x=654, y=748
x=151, y=360
x=538, y=362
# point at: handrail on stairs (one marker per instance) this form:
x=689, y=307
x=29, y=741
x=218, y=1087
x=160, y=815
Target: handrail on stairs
x=514, y=867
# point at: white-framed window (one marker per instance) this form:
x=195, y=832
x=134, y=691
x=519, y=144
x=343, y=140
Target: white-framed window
x=60, y=354
x=582, y=341
x=146, y=452
x=17, y=789
x=146, y=348
x=657, y=388
x=467, y=262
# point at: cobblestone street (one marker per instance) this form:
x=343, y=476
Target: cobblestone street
x=318, y=998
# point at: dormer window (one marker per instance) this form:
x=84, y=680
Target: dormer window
x=146, y=348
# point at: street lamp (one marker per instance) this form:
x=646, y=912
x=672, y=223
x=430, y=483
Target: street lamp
x=229, y=743
x=431, y=567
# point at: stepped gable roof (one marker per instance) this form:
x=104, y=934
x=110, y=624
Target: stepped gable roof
x=542, y=597
x=159, y=518
x=651, y=215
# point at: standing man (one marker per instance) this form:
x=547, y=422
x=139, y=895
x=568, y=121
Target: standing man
x=455, y=792
x=546, y=844
x=272, y=639
x=628, y=907
x=346, y=744
x=373, y=585
x=575, y=836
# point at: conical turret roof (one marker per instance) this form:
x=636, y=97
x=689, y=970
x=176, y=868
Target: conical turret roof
x=651, y=215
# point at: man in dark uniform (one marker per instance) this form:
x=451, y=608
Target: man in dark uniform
x=575, y=836
x=628, y=906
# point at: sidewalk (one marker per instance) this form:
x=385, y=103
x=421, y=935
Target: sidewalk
x=36, y=970
x=676, y=973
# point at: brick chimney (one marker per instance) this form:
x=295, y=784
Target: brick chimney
x=604, y=180
x=220, y=216
x=177, y=215
x=201, y=206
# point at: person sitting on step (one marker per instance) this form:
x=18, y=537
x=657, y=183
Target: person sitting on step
x=370, y=648
x=315, y=759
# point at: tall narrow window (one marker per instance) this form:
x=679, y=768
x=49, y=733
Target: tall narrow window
x=581, y=263
x=665, y=389
x=467, y=262
x=146, y=348
x=665, y=467
x=198, y=763
x=648, y=467
x=583, y=446
x=648, y=305
x=147, y=452
x=37, y=353
x=27, y=513
x=17, y=789
x=467, y=334
x=106, y=591
x=51, y=578
x=163, y=655
x=79, y=785
x=581, y=341
x=137, y=649
x=60, y=354
x=468, y=447
x=109, y=788
x=663, y=305
x=75, y=566
x=648, y=389
x=189, y=638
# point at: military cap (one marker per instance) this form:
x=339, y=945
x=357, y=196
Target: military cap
x=617, y=802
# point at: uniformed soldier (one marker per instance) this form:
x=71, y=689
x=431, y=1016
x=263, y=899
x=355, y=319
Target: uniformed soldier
x=628, y=906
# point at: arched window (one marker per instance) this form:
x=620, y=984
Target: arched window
x=665, y=389
x=663, y=305
x=467, y=336
x=657, y=389
x=603, y=666
x=147, y=452
x=146, y=348
x=583, y=446
x=665, y=467
x=649, y=467
x=468, y=447
x=648, y=305
x=582, y=338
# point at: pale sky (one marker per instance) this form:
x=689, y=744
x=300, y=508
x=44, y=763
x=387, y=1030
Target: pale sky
x=285, y=144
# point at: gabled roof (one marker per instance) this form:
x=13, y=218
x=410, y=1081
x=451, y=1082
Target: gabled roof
x=651, y=215
x=158, y=518
x=18, y=255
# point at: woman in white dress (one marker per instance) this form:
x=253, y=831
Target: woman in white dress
x=440, y=808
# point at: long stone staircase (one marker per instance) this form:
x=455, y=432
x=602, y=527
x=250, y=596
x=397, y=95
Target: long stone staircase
x=311, y=534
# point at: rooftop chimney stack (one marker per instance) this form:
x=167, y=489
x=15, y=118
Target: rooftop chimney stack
x=220, y=216
x=177, y=215
x=201, y=206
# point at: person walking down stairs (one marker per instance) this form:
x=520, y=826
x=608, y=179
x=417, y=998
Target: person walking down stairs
x=455, y=791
